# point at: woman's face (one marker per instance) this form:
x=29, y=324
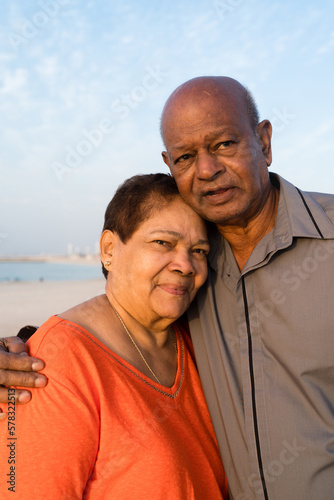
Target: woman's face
x=158, y=271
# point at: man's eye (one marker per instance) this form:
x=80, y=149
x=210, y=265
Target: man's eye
x=224, y=144
x=161, y=242
x=182, y=158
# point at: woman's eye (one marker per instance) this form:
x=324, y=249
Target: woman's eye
x=201, y=251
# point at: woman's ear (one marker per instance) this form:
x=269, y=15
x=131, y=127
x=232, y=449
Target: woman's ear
x=107, y=242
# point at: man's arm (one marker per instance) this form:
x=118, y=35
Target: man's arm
x=17, y=369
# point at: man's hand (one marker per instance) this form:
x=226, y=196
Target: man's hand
x=17, y=369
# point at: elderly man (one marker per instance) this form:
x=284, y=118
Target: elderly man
x=263, y=326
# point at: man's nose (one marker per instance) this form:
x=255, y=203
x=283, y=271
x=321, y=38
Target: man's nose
x=207, y=166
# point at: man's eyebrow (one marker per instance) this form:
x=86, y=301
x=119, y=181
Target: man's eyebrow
x=178, y=148
x=212, y=136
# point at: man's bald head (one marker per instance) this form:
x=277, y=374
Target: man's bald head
x=217, y=151
x=219, y=88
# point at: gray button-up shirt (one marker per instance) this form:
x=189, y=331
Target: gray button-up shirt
x=264, y=343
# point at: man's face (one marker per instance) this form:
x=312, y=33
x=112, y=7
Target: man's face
x=219, y=163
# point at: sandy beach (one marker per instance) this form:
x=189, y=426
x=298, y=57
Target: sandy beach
x=32, y=303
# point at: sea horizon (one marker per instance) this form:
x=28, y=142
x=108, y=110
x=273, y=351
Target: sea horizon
x=72, y=258
x=48, y=269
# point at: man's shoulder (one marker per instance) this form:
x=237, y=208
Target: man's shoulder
x=326, y=201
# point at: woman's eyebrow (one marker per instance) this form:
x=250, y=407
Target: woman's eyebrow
x=178, y=235
x=166, y=231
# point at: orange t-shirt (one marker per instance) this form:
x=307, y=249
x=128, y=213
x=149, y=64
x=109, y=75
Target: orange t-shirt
x=103, y=430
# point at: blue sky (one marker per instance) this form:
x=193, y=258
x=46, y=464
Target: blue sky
x=83, y=83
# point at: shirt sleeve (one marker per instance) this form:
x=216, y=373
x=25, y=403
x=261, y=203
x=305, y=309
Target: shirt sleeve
x=52, y=441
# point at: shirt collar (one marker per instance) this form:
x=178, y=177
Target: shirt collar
x=299, y=214
x=293, y=220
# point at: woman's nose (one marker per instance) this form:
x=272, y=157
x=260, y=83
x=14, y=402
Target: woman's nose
x=182, y=263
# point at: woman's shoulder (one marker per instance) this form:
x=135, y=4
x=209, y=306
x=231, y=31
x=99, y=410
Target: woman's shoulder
x=67, y=337
x=58, y=337
x=74, y=359
x=85, y=314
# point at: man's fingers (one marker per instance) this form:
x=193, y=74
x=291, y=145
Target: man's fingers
x=21, y=379
x=17, y=369
x=21, y=397
x=14, y=345
x=10, y=361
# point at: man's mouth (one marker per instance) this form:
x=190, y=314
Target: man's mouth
x=218, y=195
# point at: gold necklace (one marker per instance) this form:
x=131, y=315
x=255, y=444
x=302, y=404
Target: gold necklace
x=135, y=343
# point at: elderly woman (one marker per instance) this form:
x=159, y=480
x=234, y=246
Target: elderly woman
x=123, y=415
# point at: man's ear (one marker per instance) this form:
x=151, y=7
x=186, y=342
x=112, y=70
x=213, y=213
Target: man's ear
x=107, y=242
x=165, y=158
x=264, y=133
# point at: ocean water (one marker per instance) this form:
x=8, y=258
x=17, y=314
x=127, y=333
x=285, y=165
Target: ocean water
x=47, y=271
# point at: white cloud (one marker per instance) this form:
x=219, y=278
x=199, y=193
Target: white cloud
x=328, y=45
x=14, y=81
x=48, y=68
x=65, y=79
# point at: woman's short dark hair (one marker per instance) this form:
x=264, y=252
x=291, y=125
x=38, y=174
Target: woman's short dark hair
x=134, y=202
